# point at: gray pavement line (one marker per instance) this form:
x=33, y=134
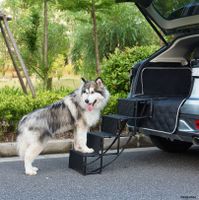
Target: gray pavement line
x=66, y=155
x=40, y=157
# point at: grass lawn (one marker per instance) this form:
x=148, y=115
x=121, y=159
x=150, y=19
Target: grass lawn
x=71, y=82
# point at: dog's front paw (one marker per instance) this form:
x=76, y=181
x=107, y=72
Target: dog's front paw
x=35, y=169
x=83, y=149
x=31, y=172
x=87, y=150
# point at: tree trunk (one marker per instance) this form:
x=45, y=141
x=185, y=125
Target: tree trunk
x=95, y=38
x=47, y=82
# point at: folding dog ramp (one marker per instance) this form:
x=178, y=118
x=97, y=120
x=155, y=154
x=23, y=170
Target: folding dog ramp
x=129, y=110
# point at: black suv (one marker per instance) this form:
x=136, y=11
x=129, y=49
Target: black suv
x=170, y=77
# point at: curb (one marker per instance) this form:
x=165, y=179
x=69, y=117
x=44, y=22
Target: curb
x=63, y=146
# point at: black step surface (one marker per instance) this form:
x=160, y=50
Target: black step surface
x=112, y=123
x=84, y=154
x=137, y=98
x=118, y=117
x=134, y=107
x=102, y=134
x=84, y=162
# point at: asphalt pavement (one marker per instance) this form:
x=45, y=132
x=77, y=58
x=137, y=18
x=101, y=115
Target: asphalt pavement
x=139, y=174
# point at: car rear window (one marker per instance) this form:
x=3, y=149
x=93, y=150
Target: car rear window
x=174, y=9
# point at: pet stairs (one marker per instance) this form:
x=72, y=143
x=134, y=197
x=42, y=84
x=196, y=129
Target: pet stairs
x=112, y=126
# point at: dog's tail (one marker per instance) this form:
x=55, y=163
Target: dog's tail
x=22, y=145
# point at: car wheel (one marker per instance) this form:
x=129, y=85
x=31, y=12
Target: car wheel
x=167, y=145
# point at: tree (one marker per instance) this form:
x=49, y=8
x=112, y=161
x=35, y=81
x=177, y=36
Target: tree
x=47, y=80
x=95, y=37
x=119, y=26
x=92, y=7
x=34, y=31
x=84, y=31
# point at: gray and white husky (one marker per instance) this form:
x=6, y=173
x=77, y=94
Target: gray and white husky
x=78, y=112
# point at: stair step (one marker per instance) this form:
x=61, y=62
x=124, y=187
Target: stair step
x=112, y=123
x=118, y=117
x=79, y=161
x=135, y=107
x=86, y=154
x=126, y=107
x=102, y=134
x=95, y=140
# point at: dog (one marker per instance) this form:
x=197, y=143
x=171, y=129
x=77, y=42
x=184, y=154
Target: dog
x=77, y=112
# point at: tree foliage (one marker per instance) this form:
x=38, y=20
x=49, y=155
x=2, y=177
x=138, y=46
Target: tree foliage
x=119, y=27
x=29, y=24
x=71, y=32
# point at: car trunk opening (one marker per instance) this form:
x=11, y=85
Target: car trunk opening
x=166, y=78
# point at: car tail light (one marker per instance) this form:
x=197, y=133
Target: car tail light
x=197, y=124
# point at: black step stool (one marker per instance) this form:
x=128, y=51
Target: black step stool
x=111, y=127
x=79, y=162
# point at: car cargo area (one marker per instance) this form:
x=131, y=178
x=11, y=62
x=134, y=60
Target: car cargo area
x=167, y=82
x=168, y=87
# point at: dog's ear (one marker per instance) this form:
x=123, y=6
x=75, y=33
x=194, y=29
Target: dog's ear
x=99, y=82
x=83, y=80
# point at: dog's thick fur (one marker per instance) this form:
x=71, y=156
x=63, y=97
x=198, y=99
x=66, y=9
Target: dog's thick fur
x=78, y=112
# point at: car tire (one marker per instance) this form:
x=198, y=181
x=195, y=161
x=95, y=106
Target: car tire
x=167, y=145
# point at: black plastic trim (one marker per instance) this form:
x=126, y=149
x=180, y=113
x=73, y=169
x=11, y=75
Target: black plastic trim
x=152, y=24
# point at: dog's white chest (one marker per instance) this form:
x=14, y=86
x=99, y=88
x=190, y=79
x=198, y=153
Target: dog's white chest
x=91, y=117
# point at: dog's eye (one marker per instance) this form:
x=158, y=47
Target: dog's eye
x=84, y=91
x=92, y=92
x=100, y=92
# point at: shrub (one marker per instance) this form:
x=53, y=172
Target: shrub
x=115, y=69
x=14, y=105
x=112, y=104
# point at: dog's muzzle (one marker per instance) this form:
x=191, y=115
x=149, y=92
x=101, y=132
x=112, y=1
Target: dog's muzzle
x=90, y=106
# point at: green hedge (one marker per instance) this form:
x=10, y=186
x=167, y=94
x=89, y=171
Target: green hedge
x=14, y=105
x=112, y=104
x=115, y=69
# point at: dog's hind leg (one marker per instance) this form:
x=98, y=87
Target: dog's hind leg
x=31, y=153
x=22, y=145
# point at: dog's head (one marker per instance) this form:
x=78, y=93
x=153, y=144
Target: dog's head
x=94, y=94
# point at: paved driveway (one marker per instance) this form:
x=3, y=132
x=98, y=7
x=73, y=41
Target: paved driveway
x=138, y=174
